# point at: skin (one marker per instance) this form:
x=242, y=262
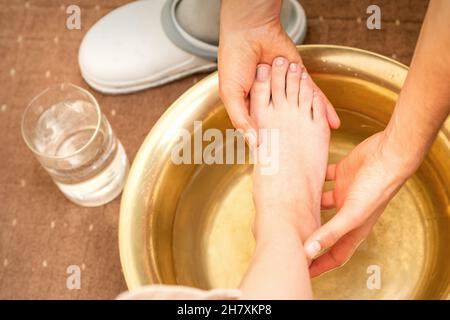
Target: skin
x=250, y=34
x=287, y=203
x=287, y=200
x=368, y=178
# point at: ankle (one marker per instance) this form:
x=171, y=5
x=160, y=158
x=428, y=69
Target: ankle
x=271, y=220
x=270, y=229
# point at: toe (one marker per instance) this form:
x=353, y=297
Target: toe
x=279, y=69
x=305, y=96
x=260, y=92
x=318, y=107
x=293, y=84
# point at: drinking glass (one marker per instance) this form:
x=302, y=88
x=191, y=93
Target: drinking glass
x=74, y=142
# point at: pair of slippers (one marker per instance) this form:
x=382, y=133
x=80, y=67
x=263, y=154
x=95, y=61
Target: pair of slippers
x=142, y=45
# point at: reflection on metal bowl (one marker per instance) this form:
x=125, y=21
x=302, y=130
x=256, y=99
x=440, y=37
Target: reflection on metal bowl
x=190, y=224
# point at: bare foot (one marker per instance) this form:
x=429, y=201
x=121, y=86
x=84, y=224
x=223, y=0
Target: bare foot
x=283, y=100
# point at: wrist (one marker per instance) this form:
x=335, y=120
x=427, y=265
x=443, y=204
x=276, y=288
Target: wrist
x=404, y=154
x=238, y=15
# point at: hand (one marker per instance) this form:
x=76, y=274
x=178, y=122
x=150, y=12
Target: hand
x=250, y=34
x=365, y=181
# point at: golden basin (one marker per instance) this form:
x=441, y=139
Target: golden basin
x=190, y=224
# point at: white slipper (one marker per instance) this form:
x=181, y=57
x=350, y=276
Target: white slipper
x=140, y=45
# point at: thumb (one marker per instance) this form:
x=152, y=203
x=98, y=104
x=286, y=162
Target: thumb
x=238, y=112
x=347, y=219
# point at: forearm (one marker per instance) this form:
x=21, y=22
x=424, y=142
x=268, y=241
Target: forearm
x=424, y=102
x=279, y=269
x=236, y=15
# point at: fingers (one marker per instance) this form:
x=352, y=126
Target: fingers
x=339, y=254
x=331, y=172
x=238, y=112
x=326, y=236
x=328, y=201
x=260, y=92
x=332, y=116
x=236, y=76
x=348, y=218
x=318, y=108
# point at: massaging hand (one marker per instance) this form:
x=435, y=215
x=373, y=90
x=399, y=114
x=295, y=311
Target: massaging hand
x=371, y=174
x=365, y=180
x=251, y=33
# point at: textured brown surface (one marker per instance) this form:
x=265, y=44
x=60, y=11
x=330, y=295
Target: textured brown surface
x=42, y=233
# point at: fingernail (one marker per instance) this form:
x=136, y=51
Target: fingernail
x=250, y=137
x=262, y=73
x=293, y=67
x=304, y=74
x=279, y=61
x=313, y=249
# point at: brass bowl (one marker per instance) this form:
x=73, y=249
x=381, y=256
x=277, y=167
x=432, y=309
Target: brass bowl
x=190, y=224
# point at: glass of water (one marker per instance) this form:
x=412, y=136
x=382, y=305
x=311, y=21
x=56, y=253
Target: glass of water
x=73, y=141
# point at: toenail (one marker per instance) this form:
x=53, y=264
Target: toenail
x=293, y=67
x=262, y=73
x=279, y=61
x=304, y=75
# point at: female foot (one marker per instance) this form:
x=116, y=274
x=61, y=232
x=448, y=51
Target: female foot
x=293, y=143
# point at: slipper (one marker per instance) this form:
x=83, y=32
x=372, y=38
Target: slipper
x=141, y=45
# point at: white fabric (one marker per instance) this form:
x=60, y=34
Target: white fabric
x=167, y=292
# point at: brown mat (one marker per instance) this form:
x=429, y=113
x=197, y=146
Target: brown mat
x=42, y=233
